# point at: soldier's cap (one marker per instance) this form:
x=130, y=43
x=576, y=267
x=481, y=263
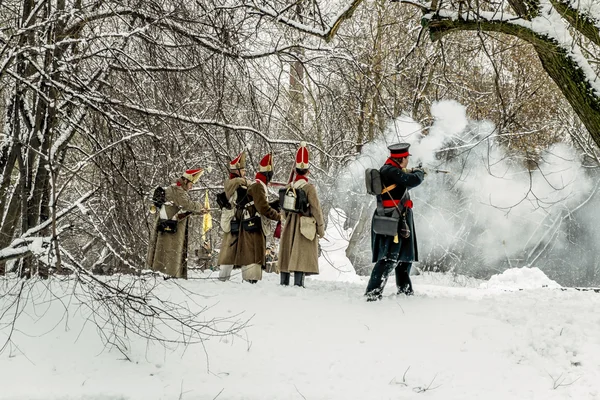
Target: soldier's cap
x=399, y=150
x=193, y=175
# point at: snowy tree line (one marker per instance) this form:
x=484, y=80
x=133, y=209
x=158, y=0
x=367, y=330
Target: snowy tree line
x=101, y=101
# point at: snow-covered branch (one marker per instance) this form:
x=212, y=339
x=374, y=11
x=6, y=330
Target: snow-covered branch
x=327, y=33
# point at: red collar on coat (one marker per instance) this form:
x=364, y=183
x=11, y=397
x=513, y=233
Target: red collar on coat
x=300, y=177
x=261, y=177
x=390, y=161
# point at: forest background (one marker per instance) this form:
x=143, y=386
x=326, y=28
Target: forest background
x=101, y=101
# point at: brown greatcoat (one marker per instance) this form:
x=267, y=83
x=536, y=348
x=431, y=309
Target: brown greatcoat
x=296, y=252
x=252, y=246
x=229, y=243
x=167, y=252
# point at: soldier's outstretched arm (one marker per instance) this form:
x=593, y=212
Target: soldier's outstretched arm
x=182, y=200
x=408, y=178
x=260, y=202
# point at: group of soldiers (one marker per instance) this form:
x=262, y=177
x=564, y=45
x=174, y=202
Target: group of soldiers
x=246, y=223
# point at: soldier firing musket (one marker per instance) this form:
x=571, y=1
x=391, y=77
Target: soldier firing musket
x=393, y=238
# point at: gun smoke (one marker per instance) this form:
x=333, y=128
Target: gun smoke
x=491, y=212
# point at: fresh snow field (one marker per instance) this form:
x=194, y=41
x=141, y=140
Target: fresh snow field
x=457, y=338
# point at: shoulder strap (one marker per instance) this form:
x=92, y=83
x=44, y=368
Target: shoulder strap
x=388, y=188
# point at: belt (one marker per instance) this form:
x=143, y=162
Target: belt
x=394, y=203
x=390, y=203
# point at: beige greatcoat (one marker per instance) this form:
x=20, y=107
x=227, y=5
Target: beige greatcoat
x=167, y=252
x=252, y=246
x=229, y=243
x=296, y=252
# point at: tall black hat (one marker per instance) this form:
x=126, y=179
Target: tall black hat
x=399, y=150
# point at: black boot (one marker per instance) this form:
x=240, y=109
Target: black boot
x=285, y=278
x=299, y=278
x=252, y=281
x=374, y=295
x=403, y=282
x=379, y=277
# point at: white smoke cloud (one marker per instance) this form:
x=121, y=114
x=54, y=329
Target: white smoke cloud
x=491, y=206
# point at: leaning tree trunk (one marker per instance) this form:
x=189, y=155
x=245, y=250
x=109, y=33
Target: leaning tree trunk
x=563, y=70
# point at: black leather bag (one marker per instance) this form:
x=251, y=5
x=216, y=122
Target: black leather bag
x=167, y=226
x=252, y=224
x=385, y=225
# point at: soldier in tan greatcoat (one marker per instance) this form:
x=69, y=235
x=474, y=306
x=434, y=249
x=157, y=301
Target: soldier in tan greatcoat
x=167, y=250
x=236, y=188
x=255, y=226
x=299, y=243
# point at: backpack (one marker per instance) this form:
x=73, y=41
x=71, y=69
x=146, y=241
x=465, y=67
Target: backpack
x=223, y=201
x=373, y=181
x=293, y=200
x=159, y=197
x=166, y=225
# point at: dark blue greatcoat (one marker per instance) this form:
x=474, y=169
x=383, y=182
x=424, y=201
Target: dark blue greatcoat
x=383, y=247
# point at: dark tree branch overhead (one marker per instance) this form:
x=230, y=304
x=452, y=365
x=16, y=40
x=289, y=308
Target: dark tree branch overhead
x=571, y=72
x=556, y=59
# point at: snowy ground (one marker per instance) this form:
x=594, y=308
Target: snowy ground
x=456, y=339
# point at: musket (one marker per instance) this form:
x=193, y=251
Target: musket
x=184, y=214
x=437, y=171
x=276, y=184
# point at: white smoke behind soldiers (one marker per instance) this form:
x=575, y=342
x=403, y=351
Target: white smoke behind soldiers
x=491, y=212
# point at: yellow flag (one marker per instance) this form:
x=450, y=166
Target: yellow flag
x=207, y=220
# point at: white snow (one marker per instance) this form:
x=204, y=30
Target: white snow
x=457, y=338
x=520, y=278
x=333, y=263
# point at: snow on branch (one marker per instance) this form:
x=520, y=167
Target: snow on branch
x=28, y=244
x=585, y=18
x=197, y=121
x=588, y=8
x=165, y=22
x=22, y=247
x=548, y=27
x=327, y=34
x=78, y=203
